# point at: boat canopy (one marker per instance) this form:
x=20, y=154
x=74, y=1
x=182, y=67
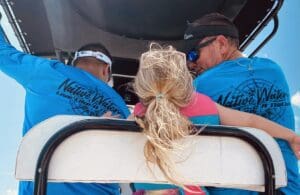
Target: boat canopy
x=56, y=29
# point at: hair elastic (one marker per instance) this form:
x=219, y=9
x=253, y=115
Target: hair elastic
x=159, y=96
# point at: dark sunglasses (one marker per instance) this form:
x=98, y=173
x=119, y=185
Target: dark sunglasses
x=194, y=53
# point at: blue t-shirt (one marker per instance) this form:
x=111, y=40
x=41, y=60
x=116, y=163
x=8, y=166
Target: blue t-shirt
x=255, y=85
x=52, y=88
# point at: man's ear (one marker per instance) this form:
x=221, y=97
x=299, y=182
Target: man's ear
x=223, y=44
x=106, y=72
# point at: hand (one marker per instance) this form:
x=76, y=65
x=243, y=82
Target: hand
x=295, y=145
x=130, y=117
x=110, y=115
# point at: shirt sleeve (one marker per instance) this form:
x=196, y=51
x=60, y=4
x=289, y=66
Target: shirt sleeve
x=139, y=110
x=199, y=84
x=18, y=65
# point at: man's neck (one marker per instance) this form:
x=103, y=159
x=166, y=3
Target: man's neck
x=233, y=54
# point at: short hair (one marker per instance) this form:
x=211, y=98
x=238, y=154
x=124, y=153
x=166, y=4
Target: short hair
x=93, y=47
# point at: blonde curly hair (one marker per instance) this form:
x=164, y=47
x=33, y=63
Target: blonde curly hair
x=164, y=85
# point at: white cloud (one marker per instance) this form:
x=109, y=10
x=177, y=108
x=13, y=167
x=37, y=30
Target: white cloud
x=265, y=55
x=11, y=192
x=296, y=99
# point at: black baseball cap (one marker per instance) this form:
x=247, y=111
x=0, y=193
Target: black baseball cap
x=195, y=32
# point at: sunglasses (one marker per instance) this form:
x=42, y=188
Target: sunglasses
x=194, y=53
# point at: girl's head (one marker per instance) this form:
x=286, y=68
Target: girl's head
x=164, y=85
x=163, y=73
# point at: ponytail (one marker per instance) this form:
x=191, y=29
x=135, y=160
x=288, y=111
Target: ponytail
x=164, y=85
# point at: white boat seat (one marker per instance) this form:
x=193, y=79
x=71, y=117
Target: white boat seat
x=117, y=156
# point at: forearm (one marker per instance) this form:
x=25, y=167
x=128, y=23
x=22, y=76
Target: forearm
x=237, y=118
x=9, y=55
x=5, y=47
x=277, y=131
x=270, y=127
x=17, y=64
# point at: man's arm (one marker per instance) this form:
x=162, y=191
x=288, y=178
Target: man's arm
x=17, y=64
x=237, y=118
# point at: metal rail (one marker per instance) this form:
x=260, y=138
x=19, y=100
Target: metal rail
x=258, y=29
x=262, y=44
x=6, y=4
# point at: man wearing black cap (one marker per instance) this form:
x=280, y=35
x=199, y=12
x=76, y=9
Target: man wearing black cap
x=255, y=85
x=53, y=88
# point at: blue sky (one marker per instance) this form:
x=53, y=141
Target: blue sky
x=283, y=48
